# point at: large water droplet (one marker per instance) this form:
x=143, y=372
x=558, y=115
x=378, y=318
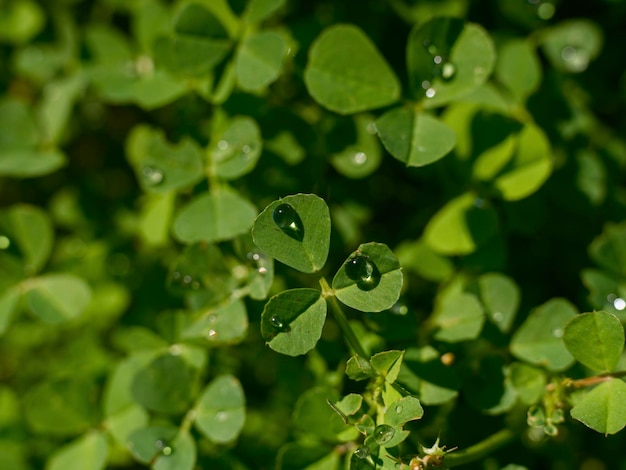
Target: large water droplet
x=279, y=324
x=361, y=268
x=383, y=434
x=288, y=220
x=152, y=176
x=362, y=452
x=163, y=447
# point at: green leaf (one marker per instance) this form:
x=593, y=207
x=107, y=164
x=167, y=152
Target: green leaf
x=488, y=387
x=181, y=457
x=220, y=411
x=313, y=416
x=292, y=321
x=609, y=249
x=571, y=45
x=370, y=279
x=61, y=407
x=529, y=382
x=386, y=436
x=28, y=163
x=347, y=74
x=490, y=162
x=462, y=225
x=518, y=68
x=199, y=42
x=306, y=456
x=31, y=230
x=55, y=298
x=118, y=390
x=530, y=167
x=404, y=410
x=421, y=259
x=414, y=137
x=219, y=215
x=304, y=240
x=447, y=59
x=147, y=443
x=165, y=385
x=161, y=166
x=8, y=306
x=238, y=148
x=358, y=368
x=539, y=340
x=155, y=218
x=604, y=408
x=596, y=340
x=423, y=372
x=387, y=364
x=348, y=405
x=259, y=60
x=459, y=317
x=361, y=158
x=56, y=105
x=89, y=452
x=259, y=10
x=224, y=325
x=501, y=297
x=21, y=21
x=123, y=423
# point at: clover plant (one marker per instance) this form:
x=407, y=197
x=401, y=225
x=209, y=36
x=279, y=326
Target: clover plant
x=257, y=234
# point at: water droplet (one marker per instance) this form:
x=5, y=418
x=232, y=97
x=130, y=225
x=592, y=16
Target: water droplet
x=4, y=242
x=371, y=128
x=557, y=332
x=152, y=176
x=246, y=149
x=288, y=221
x=362, y=452
x=263, y=271
x=497, y=316
x=211, y=334
x=175, y=350
x=430, y=93
x=175, y=275
x=448, y=70
x=399, y=409
x=430, y=47
x=611, y=297
x=425, y=84
x=361, y=268
x=437, y=59
x=163, y=447
x=545, y=11
x=278, y=324
x=212, y=318
x=550, y=429
x=187, y=279
x=222, y=145
x=576, y=59
x=221, y=416
x=619, y=304
x=399, y=308
x=360, y=158
x=383, y=434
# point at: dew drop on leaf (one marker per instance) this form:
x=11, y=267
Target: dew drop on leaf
x=399, y=409
x=278, y=324
x=430, y=93
x=361, y=268
x=448, y=70
x=163, y=447
x=222, y=145
x=288, y=220
x=211, y=334
x=437, y=59
x=152, y=176
x=360, y=158
x=4, y=242
x=383, y=434
x=221, y=416
x=362, y=452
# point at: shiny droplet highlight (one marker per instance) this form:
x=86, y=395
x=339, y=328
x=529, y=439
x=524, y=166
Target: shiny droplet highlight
x=278, y=324
x=163, y=447
x=288, y=220
x=361, y=269
x=362, y=452
x=383, y=434
x=152, y=176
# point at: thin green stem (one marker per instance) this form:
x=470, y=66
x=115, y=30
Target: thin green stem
x=479, y=450
x=342, y=320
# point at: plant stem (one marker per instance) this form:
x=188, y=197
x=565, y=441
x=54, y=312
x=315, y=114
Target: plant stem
x=479, y=450
x=348, y=333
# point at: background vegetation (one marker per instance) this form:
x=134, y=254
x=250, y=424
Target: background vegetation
x=140, y=139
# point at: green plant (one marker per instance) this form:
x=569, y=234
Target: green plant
x=152, y=316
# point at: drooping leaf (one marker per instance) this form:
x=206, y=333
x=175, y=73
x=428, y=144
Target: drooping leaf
x=295, y=230
x=347, y=74
x=292, y=321
x=370, y=279
x=596, y=340
x=604, y=408
x=414, y=137
x=88, y=452
x=259, y=60
x=57, y=298
x=214, y=216
x=220, y=411
x=539, y=340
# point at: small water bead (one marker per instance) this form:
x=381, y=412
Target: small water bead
x=576, y=59
x=175, y=350
x=448, y=71
x=4, y=242
x=425, y=84
x=399, y=409
x=557, y=333
x=211, y=334
x=545, y=11
x=437, y=59
x=360, y=158
x=288, y=220
x=263, y=271
x=383, y=434
x=362, y=452
x=163, y=447
x=279, y=324
x=221, y=416
x=212, y=318
x=361, y=268
x=619, y=304
x=222, y=145
x=152, y=176
x=430, y=93
x=246, y=149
